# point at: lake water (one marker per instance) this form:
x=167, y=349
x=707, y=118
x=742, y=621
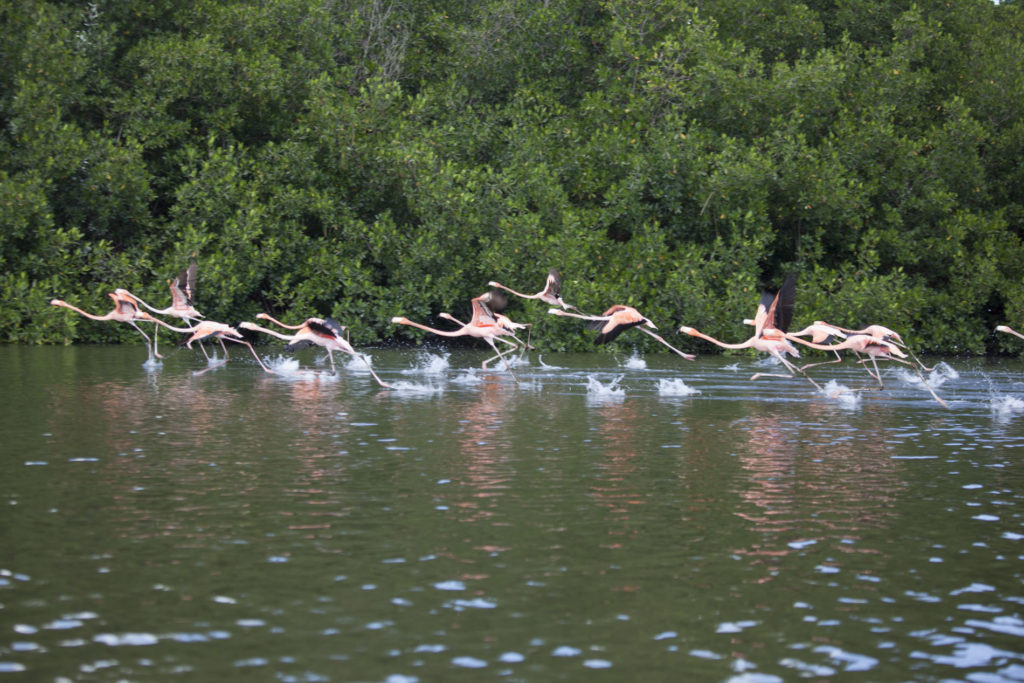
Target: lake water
x=603, y=518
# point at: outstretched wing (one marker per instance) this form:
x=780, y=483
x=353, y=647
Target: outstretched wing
x=183, y=288
x=554, y=283
x=784, y=301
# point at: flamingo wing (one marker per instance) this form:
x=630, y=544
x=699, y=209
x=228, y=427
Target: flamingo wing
x=554, y=283
x=326, y=328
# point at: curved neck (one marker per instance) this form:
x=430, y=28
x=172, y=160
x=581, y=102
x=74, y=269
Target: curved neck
x=456, y=333
x=281, y=324
x=519, y=294
x=274, y=333
x=78, y=310
x=743, y=345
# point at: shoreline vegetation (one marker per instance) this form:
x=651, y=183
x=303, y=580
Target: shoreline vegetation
x=364, y=160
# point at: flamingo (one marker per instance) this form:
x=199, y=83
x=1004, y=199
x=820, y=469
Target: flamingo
x=125, y=310
x=617, y=320
x=505, y=323
x=208, y=329
x=820, y=333
x=885, y=334
x=874, y=348
x=482, y=325
x=326, y=334
x=183, y=289
x=770, y=323
x=551, y=294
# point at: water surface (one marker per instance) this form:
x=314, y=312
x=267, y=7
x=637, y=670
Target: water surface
x=604, y=517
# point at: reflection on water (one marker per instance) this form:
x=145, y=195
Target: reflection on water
x=639, y=516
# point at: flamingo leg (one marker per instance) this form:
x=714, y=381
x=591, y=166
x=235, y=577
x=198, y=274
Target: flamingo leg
x=839, y=359
x=502, y=357
x=149, y=342
x=370, y=368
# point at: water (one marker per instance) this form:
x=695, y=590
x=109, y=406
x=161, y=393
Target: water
x=603, y=518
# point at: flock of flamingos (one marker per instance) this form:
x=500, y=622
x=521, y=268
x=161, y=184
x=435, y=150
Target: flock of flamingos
x=771, y=324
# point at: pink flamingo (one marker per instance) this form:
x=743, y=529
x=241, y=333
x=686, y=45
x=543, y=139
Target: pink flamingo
x=183, y=289
x=125, y=310
x=326, y=334
x=617, y=320
x=482, y=325
x=208, y=329
x=508, y=325
x=770, y=323
x=551, y=294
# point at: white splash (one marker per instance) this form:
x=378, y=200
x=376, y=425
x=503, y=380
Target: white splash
x=429, y=364
x=939, y=375
x=283, y=365
x=610, y=391
x=734, y=367
x=635, y=362
x=841, y=394
x=675, y=387
x=152, y=364
x=1005, y=407
x=403, y=388
x=359, y=365
x=468, y=378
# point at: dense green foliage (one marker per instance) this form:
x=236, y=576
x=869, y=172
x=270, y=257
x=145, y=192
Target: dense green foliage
x=382, y=157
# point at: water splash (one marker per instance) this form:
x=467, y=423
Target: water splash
x=1006, y=407
x=357, y=365
x=598, y=391
x=675, y=387
x=429, y=364
x=152, y=364
x=283, y=365
x=468, y=378
x=841, y=394
x=403, y=388
x=939, y=375
x=635, y=362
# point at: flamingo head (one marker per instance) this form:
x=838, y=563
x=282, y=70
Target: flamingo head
x=248, y=326
x=400, y=320
x=492, y=283
x=262, y=316
x=999, y=328
x=58, y=302
x=688, y=330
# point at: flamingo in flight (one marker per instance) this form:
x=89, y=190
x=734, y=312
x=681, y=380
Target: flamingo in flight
x=498, y=303
x=874, y=348
x=774, y=314
x=482, y=325
x=820, y=333
x=508, y=325
x=183, y=292
x=327, y=334
x=208, y=329
x=617, y=320
x=551, y=294
x=125, y=310
x=885, y=334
